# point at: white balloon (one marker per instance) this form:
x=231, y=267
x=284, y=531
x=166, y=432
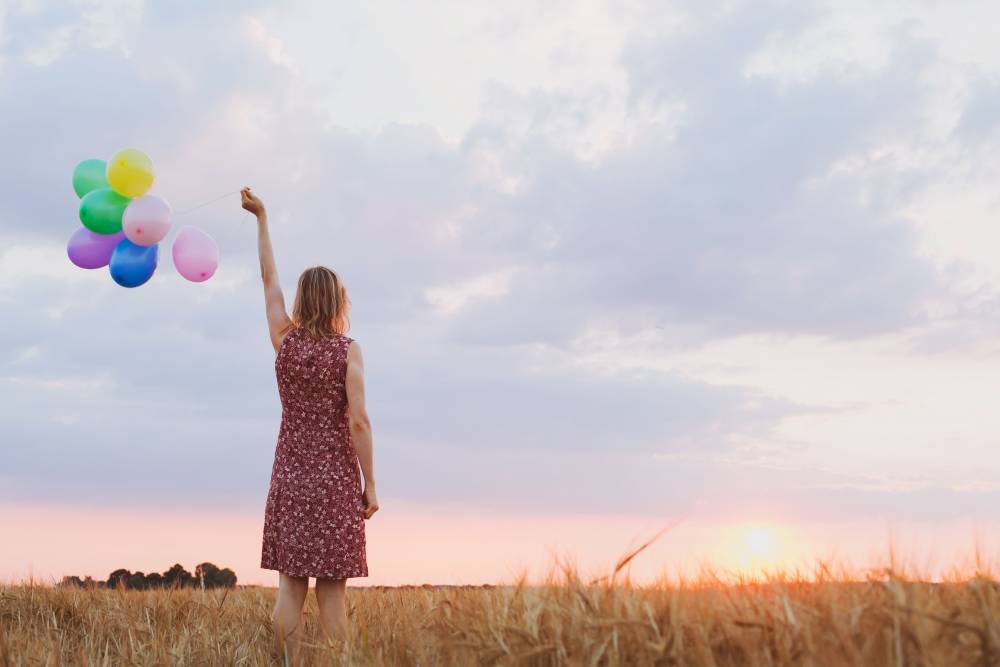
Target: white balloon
x=146, y=220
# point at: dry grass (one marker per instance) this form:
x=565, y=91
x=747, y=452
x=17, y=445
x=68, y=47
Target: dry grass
x=824, y=619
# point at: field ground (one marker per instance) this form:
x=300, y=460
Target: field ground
x=884, y=619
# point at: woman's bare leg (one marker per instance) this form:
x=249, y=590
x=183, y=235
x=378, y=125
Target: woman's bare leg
x=331, y=597
x=287, y=616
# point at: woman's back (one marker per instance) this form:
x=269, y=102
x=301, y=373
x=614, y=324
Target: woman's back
x=312, y=375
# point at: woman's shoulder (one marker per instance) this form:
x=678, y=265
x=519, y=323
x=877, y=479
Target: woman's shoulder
x=339, y=339
x=349, y=346
x=286, y=337
x=344, y=346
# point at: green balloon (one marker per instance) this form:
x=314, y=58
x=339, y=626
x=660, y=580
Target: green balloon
x=101, y=210
x=90, y=175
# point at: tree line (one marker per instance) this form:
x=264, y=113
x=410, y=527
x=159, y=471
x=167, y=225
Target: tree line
x=207, y=575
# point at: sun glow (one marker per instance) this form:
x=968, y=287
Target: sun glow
x=759, y=543
x=756, y=548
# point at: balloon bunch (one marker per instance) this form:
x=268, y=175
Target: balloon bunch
x=123, y=225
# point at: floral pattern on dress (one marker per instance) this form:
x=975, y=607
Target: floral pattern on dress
x=313, y=520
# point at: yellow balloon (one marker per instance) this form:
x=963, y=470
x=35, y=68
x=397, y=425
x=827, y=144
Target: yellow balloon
x=130, y=172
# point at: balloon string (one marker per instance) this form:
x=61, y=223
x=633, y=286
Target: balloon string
x=211, y=201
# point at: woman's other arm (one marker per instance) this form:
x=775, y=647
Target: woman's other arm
x=278, y=322
x=361, y=426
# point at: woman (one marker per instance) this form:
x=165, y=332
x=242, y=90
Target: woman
x=315, y=512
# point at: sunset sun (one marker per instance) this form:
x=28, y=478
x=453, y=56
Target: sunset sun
x=759, y=543
x=757, y=547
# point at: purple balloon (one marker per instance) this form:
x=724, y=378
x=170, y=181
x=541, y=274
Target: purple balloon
x=90, y=250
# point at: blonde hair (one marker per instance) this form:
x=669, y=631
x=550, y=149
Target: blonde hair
x=321, y=303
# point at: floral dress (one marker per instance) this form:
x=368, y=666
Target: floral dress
x=313, y=520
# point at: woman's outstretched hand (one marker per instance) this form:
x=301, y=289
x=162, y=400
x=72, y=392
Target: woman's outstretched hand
x=251, y=202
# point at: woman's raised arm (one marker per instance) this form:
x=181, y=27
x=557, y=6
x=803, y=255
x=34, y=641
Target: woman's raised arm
x=278, y=322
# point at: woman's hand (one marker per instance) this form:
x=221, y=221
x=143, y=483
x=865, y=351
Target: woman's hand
x=251, y=202
x=370, y=501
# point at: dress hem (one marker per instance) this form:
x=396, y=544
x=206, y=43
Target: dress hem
x=327, y=575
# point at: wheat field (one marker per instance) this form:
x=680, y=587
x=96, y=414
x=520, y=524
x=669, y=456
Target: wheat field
x=886, y=618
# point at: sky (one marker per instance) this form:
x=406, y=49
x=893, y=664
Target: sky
x=725, y=267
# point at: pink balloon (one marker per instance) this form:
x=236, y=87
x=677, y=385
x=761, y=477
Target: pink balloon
x=90, y=250
x=196, y=257
x=146, y=220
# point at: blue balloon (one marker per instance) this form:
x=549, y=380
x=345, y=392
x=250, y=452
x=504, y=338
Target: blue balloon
x=131, y=265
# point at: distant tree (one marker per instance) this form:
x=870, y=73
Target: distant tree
x=177, y=577
x=154, y=580
x=209, y=575
x=137, y=581
x=71, y=580
x=119, y=578
x=206, y=574
x=226, y=578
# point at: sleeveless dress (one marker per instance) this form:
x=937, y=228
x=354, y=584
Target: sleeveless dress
x=313, y=521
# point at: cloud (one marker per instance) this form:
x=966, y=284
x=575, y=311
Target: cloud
x=448, y=299
x=508, y=250
x=23, y=263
